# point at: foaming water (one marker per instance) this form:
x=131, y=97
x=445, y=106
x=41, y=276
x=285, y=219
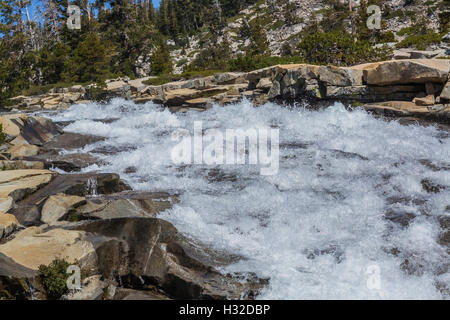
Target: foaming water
x=347, y=208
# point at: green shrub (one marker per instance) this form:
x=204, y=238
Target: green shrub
x=7, y=168
x=386, y=37
x=97, y=92
x=420, y=41
x=2, y=135
x=54, y=278
x=339, y=48
x=43, y=89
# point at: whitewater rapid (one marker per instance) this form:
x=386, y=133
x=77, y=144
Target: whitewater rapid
x=346, y=217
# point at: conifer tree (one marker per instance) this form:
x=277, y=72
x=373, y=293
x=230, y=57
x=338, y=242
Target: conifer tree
x=161, y=62
x=258, y=38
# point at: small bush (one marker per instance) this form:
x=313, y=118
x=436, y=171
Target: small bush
x=421, y=41
x=97, y=92
x=7, y=167
x=2, y=135
x=54, y=278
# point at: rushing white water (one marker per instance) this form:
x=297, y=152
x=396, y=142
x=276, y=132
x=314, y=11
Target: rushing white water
x=317, y=229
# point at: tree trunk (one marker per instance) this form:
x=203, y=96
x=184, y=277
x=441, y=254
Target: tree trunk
x=88, y=12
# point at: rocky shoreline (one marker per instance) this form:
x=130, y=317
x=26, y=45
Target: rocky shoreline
x=410, y=87
x=112, y=232
x=96, y=222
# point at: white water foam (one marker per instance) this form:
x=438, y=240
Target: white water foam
x=317, y=227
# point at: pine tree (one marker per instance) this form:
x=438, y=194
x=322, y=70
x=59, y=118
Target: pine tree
x=258, y=38
x=163, y=18
x=161, y=62
x=16, y=60
x=90, y=61
x=151, y=11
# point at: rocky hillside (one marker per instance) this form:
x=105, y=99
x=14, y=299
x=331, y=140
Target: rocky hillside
x=286, y=22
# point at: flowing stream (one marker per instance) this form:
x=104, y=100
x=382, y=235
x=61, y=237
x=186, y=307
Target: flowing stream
x=357, y=210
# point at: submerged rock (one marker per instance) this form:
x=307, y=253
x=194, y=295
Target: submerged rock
x=69, y=140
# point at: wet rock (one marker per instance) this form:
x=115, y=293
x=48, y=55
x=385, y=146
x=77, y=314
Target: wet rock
x=70, y=140
x=431, y=187
x=401, y=218
x=111, y=150
x=333, y=250
x=36, y=131
x=33, y=247
x=444, y=236
x=18, y=282
x=28, y=211
x=127, y=204
x=144, y=252
x=72, y=162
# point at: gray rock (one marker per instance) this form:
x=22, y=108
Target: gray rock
x=149, y=252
